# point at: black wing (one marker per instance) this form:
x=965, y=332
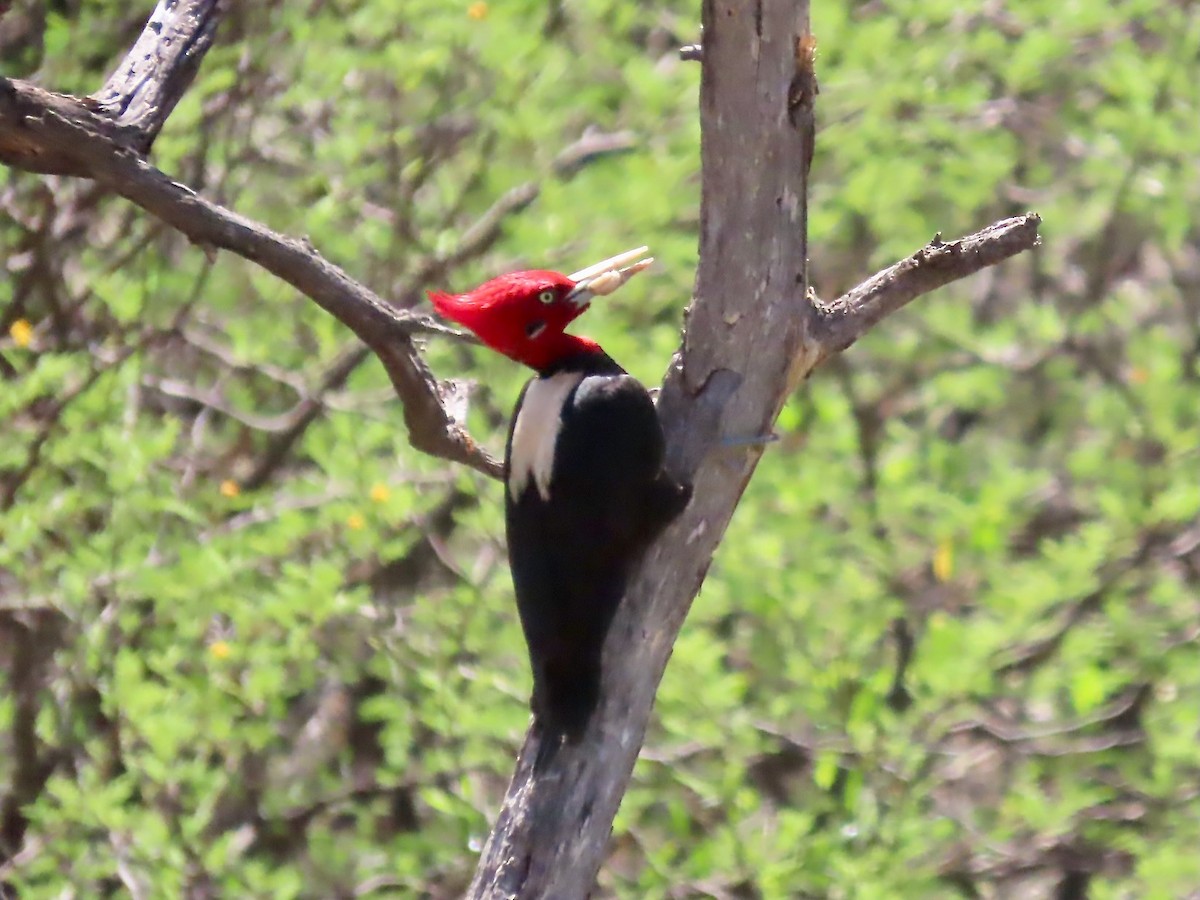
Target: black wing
x=571, y=553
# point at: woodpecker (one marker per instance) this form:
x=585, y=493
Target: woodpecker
x=585, y=490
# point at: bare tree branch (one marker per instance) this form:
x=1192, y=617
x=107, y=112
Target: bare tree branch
x=82, y=139
x=143, y=90
x=54, y=133
x=134, y=102
x=938, y=263
x=24, y=151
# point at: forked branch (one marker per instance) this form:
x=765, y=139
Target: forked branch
x=105, y=138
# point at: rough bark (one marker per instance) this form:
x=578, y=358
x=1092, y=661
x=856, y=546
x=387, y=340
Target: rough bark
x=131, y=107
x=143, y=90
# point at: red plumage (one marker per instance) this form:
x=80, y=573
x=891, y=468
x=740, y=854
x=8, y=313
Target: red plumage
x=521, y=314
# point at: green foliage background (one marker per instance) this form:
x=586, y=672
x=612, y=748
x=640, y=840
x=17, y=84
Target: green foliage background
x=257, y=646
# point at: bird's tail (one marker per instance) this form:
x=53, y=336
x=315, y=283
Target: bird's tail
x=564, y=701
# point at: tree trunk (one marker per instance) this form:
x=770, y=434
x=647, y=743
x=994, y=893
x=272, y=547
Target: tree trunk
x=749, y=337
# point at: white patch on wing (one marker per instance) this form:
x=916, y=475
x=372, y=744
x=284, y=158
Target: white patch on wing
x=536, y=432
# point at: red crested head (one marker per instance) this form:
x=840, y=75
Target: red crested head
x=524, y=314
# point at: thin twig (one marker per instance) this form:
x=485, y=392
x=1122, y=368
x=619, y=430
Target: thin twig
x=845, y=320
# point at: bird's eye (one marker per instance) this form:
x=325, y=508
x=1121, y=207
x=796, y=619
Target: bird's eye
x=546, y=296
